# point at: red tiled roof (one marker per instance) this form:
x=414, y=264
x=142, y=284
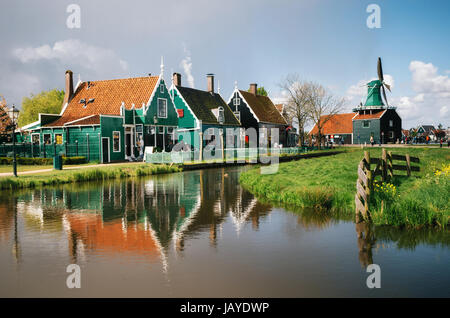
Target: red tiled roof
x=375, y=115
x=263, y=108
x=90, y=120
x=108, y=96
x=337, y=124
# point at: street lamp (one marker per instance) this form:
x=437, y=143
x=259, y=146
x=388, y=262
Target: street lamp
x=14, y=119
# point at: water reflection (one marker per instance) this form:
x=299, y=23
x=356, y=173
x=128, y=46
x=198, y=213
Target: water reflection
x=154, y=220
x=139, y=217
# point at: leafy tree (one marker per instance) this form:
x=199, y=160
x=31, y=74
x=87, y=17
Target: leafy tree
x=260, y=91
x=48, y=102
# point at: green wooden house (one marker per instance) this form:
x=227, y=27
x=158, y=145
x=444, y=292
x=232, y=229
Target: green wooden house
x=110, y=120
x=376, y=118
x=205, y=115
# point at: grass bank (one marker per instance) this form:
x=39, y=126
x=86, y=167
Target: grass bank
x=328, y=184
x=85, y=174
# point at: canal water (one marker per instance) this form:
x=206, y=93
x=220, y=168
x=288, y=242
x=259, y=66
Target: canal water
x=199, y=234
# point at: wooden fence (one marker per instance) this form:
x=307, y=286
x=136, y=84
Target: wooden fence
x=384, y=167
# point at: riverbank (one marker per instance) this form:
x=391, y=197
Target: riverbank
x=56, y=177
x=328, y=184
x=43, y=175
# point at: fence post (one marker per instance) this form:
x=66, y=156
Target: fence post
x=369, y=180
x=384, y=165
x=390, y=170
x=408, y=165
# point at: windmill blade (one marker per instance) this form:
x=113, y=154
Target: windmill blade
x=387, y=86
x=384, y=95
x=380, y=70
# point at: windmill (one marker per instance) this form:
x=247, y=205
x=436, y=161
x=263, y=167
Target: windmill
x=381, y=79
x=376, y=92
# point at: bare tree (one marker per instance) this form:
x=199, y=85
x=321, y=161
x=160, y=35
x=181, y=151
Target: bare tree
x=322, y=106
x=297, y=103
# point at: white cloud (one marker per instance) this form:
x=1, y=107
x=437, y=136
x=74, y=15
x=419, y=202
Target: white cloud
x=430, y=103
x=186, y=64
x=75, y=53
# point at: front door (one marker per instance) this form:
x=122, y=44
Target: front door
x=128, y=145
x=105, y=150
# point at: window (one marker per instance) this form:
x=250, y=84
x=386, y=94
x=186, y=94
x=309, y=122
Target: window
x=238, y=115
x=170, y=130
x=221, y=117
x=366, y=123
x=116, y=141
x=59, y=139
x=161, y=130
x=391, y=123
x=162, y=108
x=236, y=101
x=391, y=134
x=47, y=139
x=161, y=88
x=35, y=139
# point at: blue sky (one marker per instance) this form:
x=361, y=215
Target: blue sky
x=244, y=41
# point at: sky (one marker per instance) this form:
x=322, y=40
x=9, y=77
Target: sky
x=246, y=42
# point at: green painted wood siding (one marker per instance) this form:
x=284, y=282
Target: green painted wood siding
x=108, y=126
x=188, y=120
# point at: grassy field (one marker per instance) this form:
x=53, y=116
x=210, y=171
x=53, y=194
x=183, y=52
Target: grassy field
x=328, y=184
x=86, y=174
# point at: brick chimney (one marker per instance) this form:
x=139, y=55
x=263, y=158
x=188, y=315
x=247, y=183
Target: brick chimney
x=254, y=88
x=176, y=79
x=68, y=91
x=210, y=78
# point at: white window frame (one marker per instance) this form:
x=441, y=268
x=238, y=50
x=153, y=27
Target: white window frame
x=391, y=123
x=391, y=134
x=237, y=101
x=62, y=138
x=157, y=107
x=116, y=131
x=39, y=139
x=161, y=88
x=170, y=133
x=219, y=111
x=160, y=130
x=366, y=121
x=43, y=138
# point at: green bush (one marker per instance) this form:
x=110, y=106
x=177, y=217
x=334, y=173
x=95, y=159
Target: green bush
x=42, y=161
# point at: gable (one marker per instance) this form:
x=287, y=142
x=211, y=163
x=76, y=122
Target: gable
x=263, y=108
x=204, y=105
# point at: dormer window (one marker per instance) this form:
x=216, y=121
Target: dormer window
x=161, y=88
x=236, y=101
x=221, y=117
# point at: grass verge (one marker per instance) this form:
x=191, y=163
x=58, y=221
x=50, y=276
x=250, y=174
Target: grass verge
x=327, y=184
x=87, y=174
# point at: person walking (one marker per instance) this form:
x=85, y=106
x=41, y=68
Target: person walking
x=371, y=140
x=441, y=141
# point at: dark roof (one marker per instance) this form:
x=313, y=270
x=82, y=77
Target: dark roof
x=263, y=108
x=202, y=102
x=428, y=128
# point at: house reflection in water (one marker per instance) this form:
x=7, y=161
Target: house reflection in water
x=141, y=217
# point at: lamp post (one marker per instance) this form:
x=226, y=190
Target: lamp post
x=14, y=139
